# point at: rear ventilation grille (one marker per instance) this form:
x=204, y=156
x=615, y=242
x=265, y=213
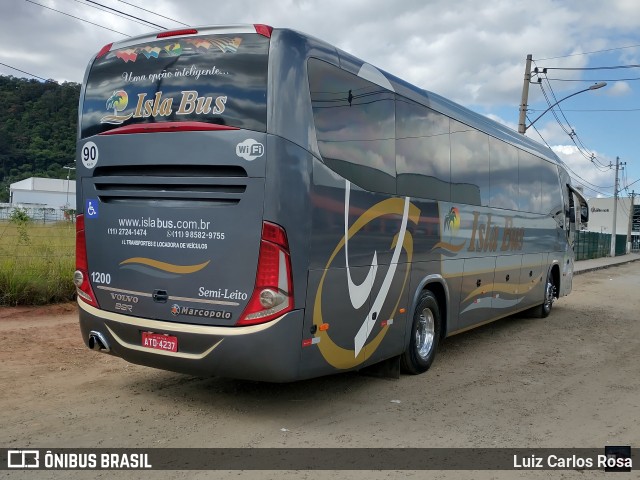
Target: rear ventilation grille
x=171, y=171
x=171, y=185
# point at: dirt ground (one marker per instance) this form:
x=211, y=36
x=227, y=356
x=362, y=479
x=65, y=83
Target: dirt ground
x=572, y=380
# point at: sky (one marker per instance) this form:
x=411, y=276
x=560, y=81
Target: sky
x=473, y=52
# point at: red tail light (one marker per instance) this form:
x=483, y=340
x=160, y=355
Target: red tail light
x=104, y=50
x=273, y=292
x=81, y=275
x=264, y=30
x=175, y=33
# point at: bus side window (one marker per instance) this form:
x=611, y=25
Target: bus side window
x=355, y=126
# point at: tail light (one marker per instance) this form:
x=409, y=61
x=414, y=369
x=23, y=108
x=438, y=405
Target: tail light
x=104, y=50
x=273, y=292
x=81, y=275
x=176, y=33
x=264, y=30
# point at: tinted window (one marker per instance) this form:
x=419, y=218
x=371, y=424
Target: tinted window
x=551, y=194
x=422, y=151
x=504, y=175
x=355, y=126
x=469, y=165
x=529, y=182
x=213, y=79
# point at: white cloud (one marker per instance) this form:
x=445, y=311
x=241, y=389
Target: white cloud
x=618, y=89
x=595, y=178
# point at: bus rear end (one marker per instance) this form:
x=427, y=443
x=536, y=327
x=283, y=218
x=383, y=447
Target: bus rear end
x=176, y=266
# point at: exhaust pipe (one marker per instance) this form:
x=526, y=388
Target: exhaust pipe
x=98, y=343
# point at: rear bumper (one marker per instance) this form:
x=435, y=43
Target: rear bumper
x=267, y=352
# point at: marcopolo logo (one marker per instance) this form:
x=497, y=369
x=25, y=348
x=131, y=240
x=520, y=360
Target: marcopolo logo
x=250, y=149
x=199, y=312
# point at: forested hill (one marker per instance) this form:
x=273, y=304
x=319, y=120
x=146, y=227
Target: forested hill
x=37, y=129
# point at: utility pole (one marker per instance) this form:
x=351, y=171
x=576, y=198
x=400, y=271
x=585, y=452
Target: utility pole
x=615, y=209
x=525, y=96
x=632, y=195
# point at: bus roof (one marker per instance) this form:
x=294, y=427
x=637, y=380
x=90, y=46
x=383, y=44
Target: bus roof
x=354, y=64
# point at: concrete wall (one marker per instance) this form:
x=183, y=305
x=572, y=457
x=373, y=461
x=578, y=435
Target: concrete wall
x=601, y=215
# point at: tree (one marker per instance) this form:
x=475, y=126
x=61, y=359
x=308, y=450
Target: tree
x=38, y=124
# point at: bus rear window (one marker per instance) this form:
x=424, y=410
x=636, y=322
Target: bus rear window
x=219, y=79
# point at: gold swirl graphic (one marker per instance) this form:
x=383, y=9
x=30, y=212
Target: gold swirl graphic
x=335, y=355
x=164, y=266
x=449, y=246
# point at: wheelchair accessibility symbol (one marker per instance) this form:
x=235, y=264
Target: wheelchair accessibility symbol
x=91, y=208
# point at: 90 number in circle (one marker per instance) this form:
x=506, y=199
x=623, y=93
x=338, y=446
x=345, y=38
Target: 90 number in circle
x=89, y=154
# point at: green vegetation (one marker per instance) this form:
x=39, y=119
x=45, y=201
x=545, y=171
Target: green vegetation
x=38, y=122
x=36, y=262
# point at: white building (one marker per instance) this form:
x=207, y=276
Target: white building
x=44, y=192
x=601, y=217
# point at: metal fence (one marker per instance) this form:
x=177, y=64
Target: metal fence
x=595, y=245
x=37, y=213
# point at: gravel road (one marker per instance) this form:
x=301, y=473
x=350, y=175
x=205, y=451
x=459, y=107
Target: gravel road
x=571, y=380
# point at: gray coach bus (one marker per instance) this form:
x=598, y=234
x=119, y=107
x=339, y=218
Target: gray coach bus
x=258, y=204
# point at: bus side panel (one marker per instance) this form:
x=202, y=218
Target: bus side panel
x=388, y=330
x=356, y=281
x=287, y=203
x=532, y=277
x=507, y=291
x=332, y=350
x=477, y=290
x=359, y=294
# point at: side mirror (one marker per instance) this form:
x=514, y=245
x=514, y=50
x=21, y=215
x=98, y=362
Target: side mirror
x=584, y=214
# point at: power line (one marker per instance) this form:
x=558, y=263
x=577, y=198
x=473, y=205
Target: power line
x=572, y=134
x=155, y=13
x=575, y=175
x=107, y=11
x=614, y=67
x=77, y=18
x=589, y=53
x=22, y=71
x=590, y=110
x=127, y=14
x=633, y=183
x=592, y=80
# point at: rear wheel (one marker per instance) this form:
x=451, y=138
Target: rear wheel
x=543, y=310
x=425, y=335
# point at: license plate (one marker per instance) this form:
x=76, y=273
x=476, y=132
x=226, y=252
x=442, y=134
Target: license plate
x=159, y=341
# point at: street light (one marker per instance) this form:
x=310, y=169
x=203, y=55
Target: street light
x=522, y=128
x=68, y=169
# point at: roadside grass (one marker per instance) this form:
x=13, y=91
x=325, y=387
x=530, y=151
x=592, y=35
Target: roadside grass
x=36, y=263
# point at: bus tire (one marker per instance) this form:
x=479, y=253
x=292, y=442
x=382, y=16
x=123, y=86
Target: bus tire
x=544, y=309
x=425, y=336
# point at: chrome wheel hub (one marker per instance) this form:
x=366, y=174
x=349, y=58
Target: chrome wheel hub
x=549, y=296
x=425, y=333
